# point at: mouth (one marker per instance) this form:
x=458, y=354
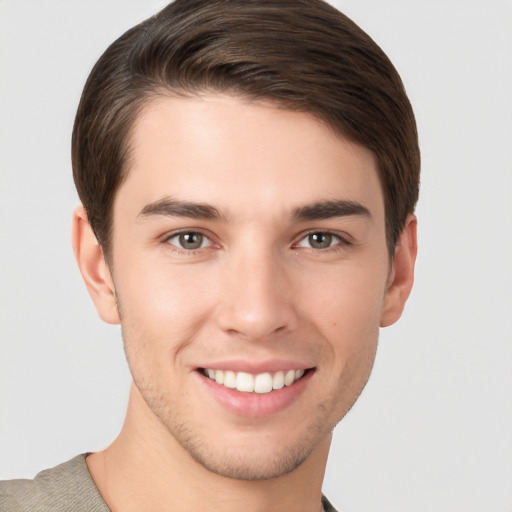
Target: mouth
x=260, y=383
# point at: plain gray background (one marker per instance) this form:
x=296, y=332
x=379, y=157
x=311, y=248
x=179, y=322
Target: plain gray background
x=433, y=429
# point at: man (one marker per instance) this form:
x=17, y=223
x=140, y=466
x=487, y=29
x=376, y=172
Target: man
x=248, y=173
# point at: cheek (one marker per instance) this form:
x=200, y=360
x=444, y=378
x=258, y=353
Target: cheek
x=153, y=289
x=347, y=315
x=349, y=301
x=161, y=309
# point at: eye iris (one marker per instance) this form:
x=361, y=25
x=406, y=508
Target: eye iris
x=320, y=240
x=191, y=240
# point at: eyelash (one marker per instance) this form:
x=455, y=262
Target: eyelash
x=183, y=250
x=342, y=241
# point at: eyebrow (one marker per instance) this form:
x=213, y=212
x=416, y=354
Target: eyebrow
x=331, y=209
x=175, y=208
x=320, y=210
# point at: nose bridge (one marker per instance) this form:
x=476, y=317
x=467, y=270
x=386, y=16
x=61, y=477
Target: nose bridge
x=256, y=301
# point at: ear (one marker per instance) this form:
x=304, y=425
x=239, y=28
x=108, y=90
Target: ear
x=93, y=267
x=401, y=277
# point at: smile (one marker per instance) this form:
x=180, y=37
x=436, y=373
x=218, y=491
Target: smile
x=249, y=383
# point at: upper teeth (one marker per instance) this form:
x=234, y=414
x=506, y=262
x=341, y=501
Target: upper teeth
x=260, y=383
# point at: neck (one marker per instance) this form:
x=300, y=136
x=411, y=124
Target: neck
x=145, y=469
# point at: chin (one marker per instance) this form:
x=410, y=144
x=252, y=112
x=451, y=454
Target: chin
x=249, y=463
x=253, y=454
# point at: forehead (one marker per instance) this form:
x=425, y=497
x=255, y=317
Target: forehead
x=245, y=155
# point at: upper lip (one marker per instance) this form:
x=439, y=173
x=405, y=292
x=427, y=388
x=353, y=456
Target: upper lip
x=255, y=367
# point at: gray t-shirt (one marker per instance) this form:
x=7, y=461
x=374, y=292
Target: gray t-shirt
x=64, y=488
x=68, y=487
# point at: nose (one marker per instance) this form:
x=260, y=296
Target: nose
x=256, y=300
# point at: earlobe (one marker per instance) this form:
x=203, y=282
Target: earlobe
x=93, y=267
x=402, y=274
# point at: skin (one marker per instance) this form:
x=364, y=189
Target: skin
x=258, y=291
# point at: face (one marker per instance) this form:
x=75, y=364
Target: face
x=251, y=273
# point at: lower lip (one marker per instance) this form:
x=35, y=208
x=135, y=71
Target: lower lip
x=255, y=405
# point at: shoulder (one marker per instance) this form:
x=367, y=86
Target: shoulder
x=66, y=487
x=327, y=505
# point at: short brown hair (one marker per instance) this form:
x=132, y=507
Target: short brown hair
x=303, y=55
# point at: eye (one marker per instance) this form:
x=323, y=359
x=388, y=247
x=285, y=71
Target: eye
x=189, y=240
x=319, y=240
